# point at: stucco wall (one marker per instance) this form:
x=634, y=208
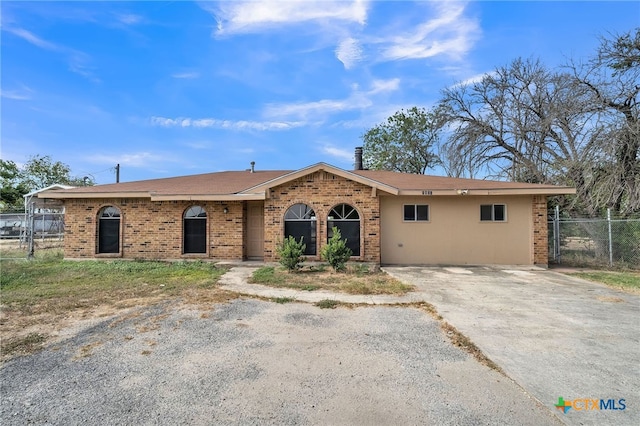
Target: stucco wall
x=153, y=230
x=322, y=191
x=455, y=235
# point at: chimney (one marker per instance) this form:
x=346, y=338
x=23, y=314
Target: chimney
x=358, y=162
x=253, y=166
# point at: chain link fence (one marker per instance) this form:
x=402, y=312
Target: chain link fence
x=44, y=230
x=607, y=242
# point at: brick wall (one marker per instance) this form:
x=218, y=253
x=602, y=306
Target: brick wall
x=322, y=191
x=153, y=230
x=540, y=231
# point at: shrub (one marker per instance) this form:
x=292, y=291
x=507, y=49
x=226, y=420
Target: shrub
x=291, y=253
x=336, y=252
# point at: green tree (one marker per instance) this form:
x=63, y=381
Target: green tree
x=13, y=189
x=39, y=172
x=405, y=142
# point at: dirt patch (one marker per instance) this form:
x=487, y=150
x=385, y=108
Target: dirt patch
x=22, y=333
x=357, y=279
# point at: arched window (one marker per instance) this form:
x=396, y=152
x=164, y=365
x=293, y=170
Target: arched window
x=195, y=230
x=347, y=220
x=300, y=221
x=109, y=230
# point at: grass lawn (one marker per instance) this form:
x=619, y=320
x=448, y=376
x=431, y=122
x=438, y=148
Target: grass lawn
x=356, y=280
x=623, y=280
x=39, y=295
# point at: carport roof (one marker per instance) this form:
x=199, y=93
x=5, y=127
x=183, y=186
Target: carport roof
x=255, y=185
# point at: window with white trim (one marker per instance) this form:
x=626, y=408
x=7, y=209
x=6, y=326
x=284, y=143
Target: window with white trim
x=347, y=220
x=109, y=230
x=416, y=212
x=194, y=230
x=493, y=212
x=300, y=222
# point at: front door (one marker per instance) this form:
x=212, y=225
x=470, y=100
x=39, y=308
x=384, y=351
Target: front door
x=255, y=230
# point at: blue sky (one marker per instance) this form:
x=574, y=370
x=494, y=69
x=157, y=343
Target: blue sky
x=176, y=88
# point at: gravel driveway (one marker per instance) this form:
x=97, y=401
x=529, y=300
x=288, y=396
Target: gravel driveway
x=257, y=362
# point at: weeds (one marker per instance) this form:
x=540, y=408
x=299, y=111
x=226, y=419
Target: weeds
x=358, y=280
x=283, y=300
x=622, y=280
x=267, y=275
x=30, y=343
x=45, y=292
x=327, y=304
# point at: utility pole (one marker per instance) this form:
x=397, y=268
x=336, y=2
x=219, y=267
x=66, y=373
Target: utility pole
x=117, y=173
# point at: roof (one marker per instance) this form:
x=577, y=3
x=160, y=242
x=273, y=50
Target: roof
x=53, y=187
x=414, y=184
x=248, y=185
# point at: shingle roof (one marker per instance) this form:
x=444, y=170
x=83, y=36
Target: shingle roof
x=407, y=181
x=251, y=184
x=229, y=182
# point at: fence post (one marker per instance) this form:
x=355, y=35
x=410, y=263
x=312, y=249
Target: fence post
x=30, y=233
x=556, y=235
x=610, y=239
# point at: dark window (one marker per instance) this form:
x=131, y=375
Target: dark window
x=347, y=220
x=300, y=222
x=109, y=230
x=493, y=212
x=195, y=230
x=416, y=212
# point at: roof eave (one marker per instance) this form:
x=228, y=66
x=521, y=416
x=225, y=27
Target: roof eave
x=77, y=195
x=497, y=191
x=209, y=197
x=328, y=168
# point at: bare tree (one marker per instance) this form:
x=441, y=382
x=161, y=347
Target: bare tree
x=578, y=127
x=522, y=122
x=612, y=80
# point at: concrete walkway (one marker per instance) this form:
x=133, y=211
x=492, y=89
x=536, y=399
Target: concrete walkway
x=555, y=335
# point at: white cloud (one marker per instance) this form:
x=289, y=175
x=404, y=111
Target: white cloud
x=23, y=94
x=339, y=153
x=137, y=159
x=186, y=75
x=357, y=100
x=349, y=52
x=474, y=79
x=33, y=39
x=305, y=110
x=77, y=60
x=379, y=86
x=129, y=19
x=449, y=33
x=223, y=124
x=251, y=16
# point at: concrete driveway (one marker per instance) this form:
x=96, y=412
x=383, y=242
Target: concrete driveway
x=555, y=335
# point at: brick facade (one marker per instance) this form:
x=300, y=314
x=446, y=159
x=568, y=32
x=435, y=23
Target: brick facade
x=540, y=230
x=153, y=229
x=322, y=191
